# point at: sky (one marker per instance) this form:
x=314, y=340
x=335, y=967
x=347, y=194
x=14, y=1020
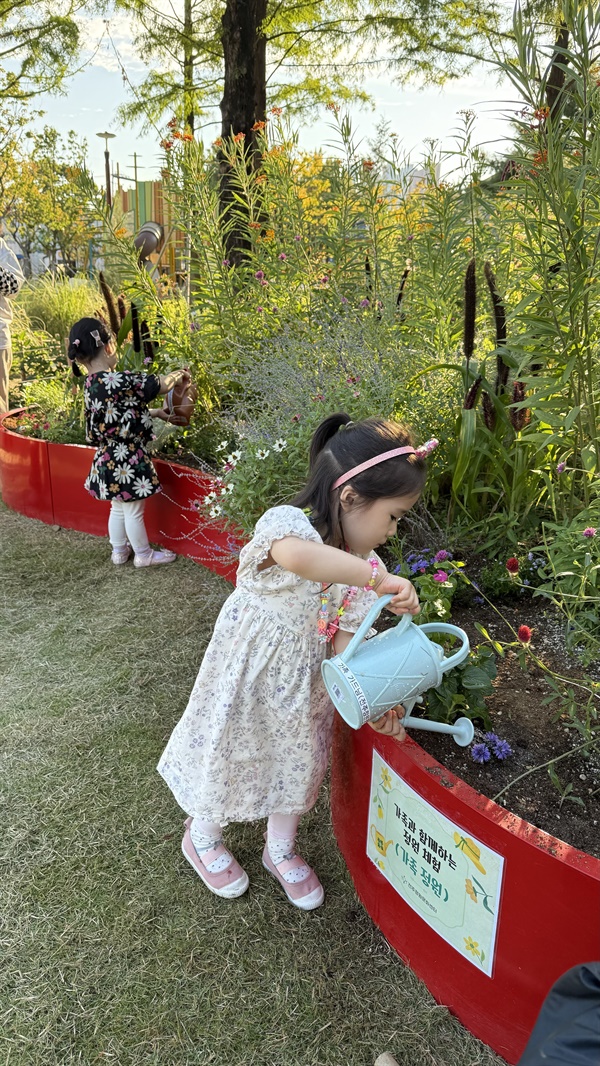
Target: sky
x=90, y=100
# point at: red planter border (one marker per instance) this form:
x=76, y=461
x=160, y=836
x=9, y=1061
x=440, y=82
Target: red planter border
x=549, y=917
x=549, y=911
x=45, y=481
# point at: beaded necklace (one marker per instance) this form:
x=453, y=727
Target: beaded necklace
x=327, y=630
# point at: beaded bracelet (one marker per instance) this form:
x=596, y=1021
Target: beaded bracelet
x=374, y=574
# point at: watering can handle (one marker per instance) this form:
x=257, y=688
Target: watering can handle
x=365, y=626
x=460, y=654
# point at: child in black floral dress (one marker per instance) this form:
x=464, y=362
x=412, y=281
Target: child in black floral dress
x=119, y=423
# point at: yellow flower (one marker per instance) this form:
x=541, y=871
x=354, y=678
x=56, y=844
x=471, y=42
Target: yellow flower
x=386, y=779
x=470, y=890
x=470, y=849
x=121, y=231
x=380, y=812
x=472, y=946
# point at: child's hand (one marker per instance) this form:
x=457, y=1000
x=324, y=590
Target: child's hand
x=389, y=723
x=405, y=599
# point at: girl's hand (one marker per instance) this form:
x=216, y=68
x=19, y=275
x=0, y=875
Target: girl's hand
x=405, y=599
x=389, y=723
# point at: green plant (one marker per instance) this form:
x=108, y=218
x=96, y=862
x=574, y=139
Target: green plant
x=463, y=689
x=53, y=302
x=56, y=412
x=571, y=579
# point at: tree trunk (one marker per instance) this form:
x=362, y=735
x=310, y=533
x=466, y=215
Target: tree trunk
x=188, y=67
x=244, y=95
x=557, y=76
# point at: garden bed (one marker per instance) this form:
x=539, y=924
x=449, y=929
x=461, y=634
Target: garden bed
x=535, y=737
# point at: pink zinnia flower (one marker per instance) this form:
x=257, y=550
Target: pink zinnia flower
x=512, y=565
x=440, y=576
x=524, y=634
x=590, y=531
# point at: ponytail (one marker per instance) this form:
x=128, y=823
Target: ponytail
x=337, y=446
x=324, y=432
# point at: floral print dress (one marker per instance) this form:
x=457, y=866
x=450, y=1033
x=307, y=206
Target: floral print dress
x=255, y=737
x=117, y=421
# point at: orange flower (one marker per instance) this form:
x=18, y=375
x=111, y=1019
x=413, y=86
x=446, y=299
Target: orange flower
x=332, y=106
x=167, y=145
x=237, y=137
x=121, y=231
x=470, y=890
x=177, y=135
x=368, y=164
x=541, y=113
x=187, y=136
x=218, y=142
x=260, y=179
x=258, y=125
x=254, y=225
x=277, y=111
x=540, y=158
x=270, y=235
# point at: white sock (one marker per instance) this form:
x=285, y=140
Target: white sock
x=206, y=836
x=279, y=849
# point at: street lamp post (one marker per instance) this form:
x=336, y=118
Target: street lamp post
x=107, y=137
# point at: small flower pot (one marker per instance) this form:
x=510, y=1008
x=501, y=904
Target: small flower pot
x=543, y=913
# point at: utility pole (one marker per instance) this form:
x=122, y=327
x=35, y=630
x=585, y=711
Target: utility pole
x=137, y=197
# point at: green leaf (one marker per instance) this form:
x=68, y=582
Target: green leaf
x=476, y=678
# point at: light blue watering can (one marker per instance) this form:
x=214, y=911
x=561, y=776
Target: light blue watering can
x=372, y=676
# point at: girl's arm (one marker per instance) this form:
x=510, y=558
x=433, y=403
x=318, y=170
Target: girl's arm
x=168, y=381
x=322, y=563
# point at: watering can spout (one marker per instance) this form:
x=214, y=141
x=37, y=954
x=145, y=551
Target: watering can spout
x=395, y=667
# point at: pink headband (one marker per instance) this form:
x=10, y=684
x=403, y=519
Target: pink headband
x=421, y=453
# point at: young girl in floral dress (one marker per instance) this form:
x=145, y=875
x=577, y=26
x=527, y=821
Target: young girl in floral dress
x=118, y=422
x=255, y=737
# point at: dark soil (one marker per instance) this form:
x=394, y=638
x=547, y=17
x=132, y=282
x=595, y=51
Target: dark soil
x=534, y=735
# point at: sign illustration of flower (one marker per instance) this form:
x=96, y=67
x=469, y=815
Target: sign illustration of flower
x=470, y=849
x=473, y=946
x=471, y=891
x=386, y=779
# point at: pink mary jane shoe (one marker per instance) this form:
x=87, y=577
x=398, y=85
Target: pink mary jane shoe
x=227, y=883
x=306, y=894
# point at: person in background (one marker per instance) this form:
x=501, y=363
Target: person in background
x=11, y=279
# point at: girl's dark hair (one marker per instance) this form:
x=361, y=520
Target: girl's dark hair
x=82, y=345
x=338, y=444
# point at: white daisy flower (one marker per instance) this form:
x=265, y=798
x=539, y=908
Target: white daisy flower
x=210, y=498
x=215, y=511
x=230, y=460
x=121, y=452
x=123, y=474
x=262, y=453
x=95, y=405
x=237, y=456
x=229, y=488
x=222, y=446
x=147, y=419
x=112, y=379
x=110, y=413
x=280, y=445
x=102, y=490
x=142, y=486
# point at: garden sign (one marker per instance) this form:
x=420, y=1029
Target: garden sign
x=452, y=881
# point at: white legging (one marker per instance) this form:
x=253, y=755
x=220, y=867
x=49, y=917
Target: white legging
x=126, y=523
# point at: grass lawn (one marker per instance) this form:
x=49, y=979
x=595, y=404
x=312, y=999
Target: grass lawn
x=112, y=950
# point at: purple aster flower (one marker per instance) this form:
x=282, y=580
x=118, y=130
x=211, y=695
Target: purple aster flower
x=364, y=303
x=502, y=749
x=480, y=753
x=491, y=738
x=479, y=600
x=343, y=300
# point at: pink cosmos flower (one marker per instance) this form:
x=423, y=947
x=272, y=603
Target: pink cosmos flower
x=440, y=576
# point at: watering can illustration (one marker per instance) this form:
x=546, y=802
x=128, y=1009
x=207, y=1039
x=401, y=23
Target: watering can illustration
x=372, y=676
